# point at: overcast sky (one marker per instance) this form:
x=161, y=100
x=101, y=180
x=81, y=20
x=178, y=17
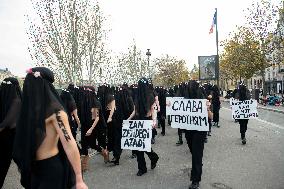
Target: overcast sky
x=176, y=27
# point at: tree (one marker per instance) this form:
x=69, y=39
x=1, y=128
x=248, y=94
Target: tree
x=194, y=73
x=131, y=65
x=261, y=18
x=171, y=71
x=67, y=36
x=242, y=56
x=278, y=39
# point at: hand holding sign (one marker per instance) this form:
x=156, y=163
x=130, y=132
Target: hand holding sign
x=189, y=114
x=244, y=109
x=136, y=135
x=168, y=103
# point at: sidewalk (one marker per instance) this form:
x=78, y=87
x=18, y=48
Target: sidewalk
x=278, y=109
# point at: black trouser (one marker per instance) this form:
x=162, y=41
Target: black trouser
x=154, y=133
x=48, y=173
x=99, y=134
x=243, y=126
x=210, y=124
x=180, y=131
x=216, y=115
x=141, y=159
x=169, y=120
x=6, y=148
x=117, y=141
x=195, y=142
x=163, y=124
x=110, y=135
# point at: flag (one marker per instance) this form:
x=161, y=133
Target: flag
x=213, y=23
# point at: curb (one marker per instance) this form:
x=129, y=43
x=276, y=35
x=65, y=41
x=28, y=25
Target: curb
x=271, y=109
x=265, y=108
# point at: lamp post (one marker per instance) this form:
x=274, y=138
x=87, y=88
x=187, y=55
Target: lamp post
x=148, y=53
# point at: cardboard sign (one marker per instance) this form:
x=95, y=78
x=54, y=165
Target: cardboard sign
x=189, y=114
x=246, y=109
x=136, y=135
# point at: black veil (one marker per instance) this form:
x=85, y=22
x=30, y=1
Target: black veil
x=10, y=97
x=194, y=91
x=145, y=98
x=40, y=100
x=243, y=93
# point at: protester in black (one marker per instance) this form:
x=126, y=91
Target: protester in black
x=97, y=131
x=110, y=117
x=243, y=122
x=195, y=139
x=71, y=110
x=42, y=128
x=216, y=104
x=124, y=111
x=181, y=92
x=144, y=108
x=162, y=93
x=10, y=105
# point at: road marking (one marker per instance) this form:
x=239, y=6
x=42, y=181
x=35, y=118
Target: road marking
x=263, y=121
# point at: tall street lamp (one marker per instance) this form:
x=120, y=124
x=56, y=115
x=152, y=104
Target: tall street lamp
x=148, y=53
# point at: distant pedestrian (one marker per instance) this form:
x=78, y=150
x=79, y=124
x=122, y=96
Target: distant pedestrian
x=243, y=122
x=216, y=103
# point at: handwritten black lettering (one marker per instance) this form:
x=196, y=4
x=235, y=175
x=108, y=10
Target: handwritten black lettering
x=62, y=126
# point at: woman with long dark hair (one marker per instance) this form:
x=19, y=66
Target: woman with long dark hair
x=44, y=146
x=10, y=105
x=144, y=108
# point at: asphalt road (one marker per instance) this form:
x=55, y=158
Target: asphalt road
x=227, y=164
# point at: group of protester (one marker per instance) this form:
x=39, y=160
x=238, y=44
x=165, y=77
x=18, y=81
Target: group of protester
x=39, y=126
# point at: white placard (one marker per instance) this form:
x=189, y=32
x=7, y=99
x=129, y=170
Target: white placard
x=246, y=109
x=189, y=114
x=137, y=135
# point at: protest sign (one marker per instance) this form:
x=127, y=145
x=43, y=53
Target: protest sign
x=136, y=135
x=246, y=109
x=189, y=114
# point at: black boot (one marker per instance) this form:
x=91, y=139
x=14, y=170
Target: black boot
x=217, y=124
x=244, y=141
x=140, y=172
x=194, y=185
x=243, y=136
x=154, y=162
x=179, y=142
x=205, y=139
x=115, y=161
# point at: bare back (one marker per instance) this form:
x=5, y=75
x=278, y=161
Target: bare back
x=49, y=148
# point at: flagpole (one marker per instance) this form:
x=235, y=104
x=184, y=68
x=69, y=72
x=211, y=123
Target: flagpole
x=217, y=48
